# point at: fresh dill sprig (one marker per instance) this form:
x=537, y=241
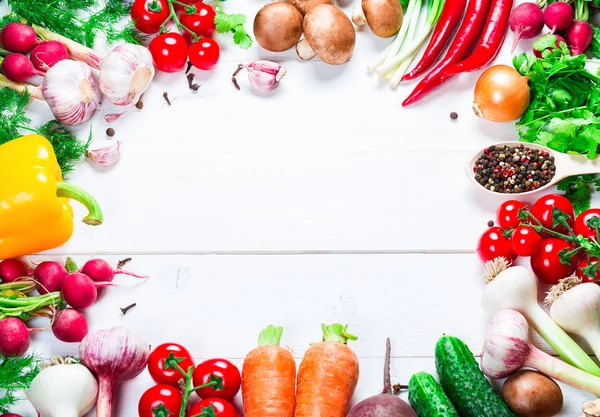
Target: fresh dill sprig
x=65, y=17
x=13, y=120
x=16, y=374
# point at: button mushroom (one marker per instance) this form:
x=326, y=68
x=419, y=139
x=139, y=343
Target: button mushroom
x=328, y=34
x=278, y=26
x=384, y=17
x=305, y=5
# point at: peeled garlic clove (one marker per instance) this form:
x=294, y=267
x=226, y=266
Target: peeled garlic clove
x=107, y=156
x=264, y=76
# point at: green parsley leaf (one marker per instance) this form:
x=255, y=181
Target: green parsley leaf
x=233, y=23
x=594, y=48
x=241, y=38
x=545, y=42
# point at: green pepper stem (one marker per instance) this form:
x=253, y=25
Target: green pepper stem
x=95, y=216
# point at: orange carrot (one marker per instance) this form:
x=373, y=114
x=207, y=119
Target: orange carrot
x=269, y=378
x=327, y=376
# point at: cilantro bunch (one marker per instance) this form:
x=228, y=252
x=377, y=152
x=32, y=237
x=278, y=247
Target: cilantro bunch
x=233, y=23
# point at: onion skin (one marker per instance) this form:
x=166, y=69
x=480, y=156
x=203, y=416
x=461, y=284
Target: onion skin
x=501, y=94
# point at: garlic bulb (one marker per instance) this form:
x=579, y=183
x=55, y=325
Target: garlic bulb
x=71, y=92
x=126, y=73
x=107, y=156
x=63, y=391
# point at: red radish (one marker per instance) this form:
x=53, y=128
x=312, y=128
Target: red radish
x=15, y=338
x=45, y=54
x=100, y=271
x=12, y=269
x=79, y=291
x=17, y=37
x=559, y=39
x=18, y=68
x=50, y=276
x=11, y=415
x=579, y=36
x=70, y=326
x=559, y=16
x=526, y=21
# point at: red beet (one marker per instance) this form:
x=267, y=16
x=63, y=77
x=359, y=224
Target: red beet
x=45, y=54
x=559, y=16
x=559, y=39
x=50, y=276
x=69, y=326
x=17, y=37
x=100, y=271
x=18, y=68
x=15, y=338
x=526, y=21
x=79, y=291
x=579, y=36
x=12, y=269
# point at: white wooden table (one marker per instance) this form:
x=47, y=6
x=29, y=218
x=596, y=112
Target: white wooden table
x=325, y=201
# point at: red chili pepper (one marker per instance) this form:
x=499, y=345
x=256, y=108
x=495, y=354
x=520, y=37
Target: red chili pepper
x=448, y=22
x=490, y=42
x=464, y=40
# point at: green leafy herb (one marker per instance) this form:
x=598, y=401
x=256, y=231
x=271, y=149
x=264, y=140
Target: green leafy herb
x=16, y=374
x=594, y=48
x=579, y=189
x=13, y=120
x=65, y=17
x=233, y=23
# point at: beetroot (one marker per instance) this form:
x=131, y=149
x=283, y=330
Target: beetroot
x=12, y=269
x=18, y=68
x=69, y=326
x=17, y=37
x=559, y=16
x=79, y=291
x=579, y=36
x=45, y=54
x=526, y=21
x=100, y=271
x=15, y=338
x=558, y=41
x=50, y=276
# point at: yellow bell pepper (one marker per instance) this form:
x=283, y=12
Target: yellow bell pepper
x=35, y=214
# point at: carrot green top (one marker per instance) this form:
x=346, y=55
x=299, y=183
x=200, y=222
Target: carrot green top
x=336, y=333
x=270, y=336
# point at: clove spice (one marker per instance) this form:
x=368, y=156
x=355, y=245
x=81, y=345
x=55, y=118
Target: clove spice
x=195, y=87
x=189, y=67
x=124, y=310
x=190, y=78
x=123, y=262
x=166, y=97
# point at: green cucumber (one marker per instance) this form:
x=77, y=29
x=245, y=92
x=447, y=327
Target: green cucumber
x=462, y=380
x=427, y=397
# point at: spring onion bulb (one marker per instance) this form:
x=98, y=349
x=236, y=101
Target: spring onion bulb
x=516, y=288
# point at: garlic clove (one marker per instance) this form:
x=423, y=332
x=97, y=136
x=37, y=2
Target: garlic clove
x=264, y=76
x=107, y=156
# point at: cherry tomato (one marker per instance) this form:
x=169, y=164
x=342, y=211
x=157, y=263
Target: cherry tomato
x=163, y=395
x=525, y=241
x=493, y=244
x=220, y=368
x=542, y=210
x=508, y=214
x=202, y=23
x=546, y=263
x=169, y=52
x=146, y=20
x=581, y=226
x=584, y=263
x=221, y=408
x=156, y=363
x=205, y=54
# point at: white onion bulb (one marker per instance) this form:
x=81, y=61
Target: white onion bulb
x=126, y=73
x=71, y=92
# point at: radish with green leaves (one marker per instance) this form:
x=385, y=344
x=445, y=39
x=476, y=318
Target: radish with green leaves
x=18, y=68
x=50, y=276
x=12, y=269
x=559, y=16
x=46, y=54
x=17, y=37
x=15, y=338
x=79, y=291
x=69, y=326
x=526, y=21
x=579, y=36
x=100, y=271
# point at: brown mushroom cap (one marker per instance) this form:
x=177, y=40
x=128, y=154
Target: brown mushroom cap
x=305, y=5
x=278, y=26
x=384, y=17
x=330, y=34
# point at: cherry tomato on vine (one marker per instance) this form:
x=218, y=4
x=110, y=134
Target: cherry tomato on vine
x=542, y=210
x=205, y=54
x=202, y=22
x=581, y=273
x=493, y=244
x=221, y=408
x=581, y=226
x=546, y=263
x=525, y=241
x=169, y=52
x=144, y=17
x=156, y=363
x=220, y=368
x=161, y=395
x=507, y=214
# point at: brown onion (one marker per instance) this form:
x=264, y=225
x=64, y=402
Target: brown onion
x=501, y=94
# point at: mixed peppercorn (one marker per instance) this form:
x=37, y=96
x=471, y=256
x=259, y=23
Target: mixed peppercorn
x=511, y=170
